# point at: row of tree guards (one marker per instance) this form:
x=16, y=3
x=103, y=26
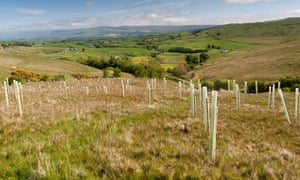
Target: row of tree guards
x=209, y=113
x=206, y=104
x=18, y=93
x=210, y=122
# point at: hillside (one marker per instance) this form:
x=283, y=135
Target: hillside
x=43, y=66
x=274, y=51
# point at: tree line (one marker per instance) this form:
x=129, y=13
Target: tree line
x=152, y=69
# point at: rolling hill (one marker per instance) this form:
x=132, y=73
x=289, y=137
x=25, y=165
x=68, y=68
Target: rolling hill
x=99, y=32
x=43, y=66
x=273, y=51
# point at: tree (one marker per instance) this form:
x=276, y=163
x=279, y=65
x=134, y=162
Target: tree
x=105, y=73
x=191, y=59
x=117, y=72
x=179, y=70
x=203, y=57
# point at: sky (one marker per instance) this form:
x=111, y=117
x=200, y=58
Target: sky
x=27, y=15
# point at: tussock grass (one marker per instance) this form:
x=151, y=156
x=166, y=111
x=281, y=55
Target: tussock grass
x=99, y=135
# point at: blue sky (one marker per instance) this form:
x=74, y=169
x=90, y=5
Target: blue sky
x=19, y=15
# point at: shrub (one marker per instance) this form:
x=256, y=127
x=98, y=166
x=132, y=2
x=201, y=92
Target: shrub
x=286, y=89
x=185, y=50
x=263, y=86
x=221, y=84
x=209, y=84
x=16, y=78
x=58, y=78
x=45, y=78
x=290, y=82
x=82, y=76
x=138, y=70
x=26, y=75
x=105, y=73
x=191, y=59
x=117, y=72
x=179, y=71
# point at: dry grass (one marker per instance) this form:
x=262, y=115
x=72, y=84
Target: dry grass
x=269, y=63
x=104, y=135
x=44, y=66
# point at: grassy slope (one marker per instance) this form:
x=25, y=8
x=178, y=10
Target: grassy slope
x=107, y=136
x=43, y=65
x=274, y=54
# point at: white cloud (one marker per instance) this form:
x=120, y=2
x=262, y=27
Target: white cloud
x=30, y=11
x=89, y=3
x=293, y=13
x=246, y=1
x=160, y=16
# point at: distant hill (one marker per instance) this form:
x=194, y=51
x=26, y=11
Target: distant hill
x=122, y=31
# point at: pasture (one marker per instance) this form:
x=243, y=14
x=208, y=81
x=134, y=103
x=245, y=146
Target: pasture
x=103, y=128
